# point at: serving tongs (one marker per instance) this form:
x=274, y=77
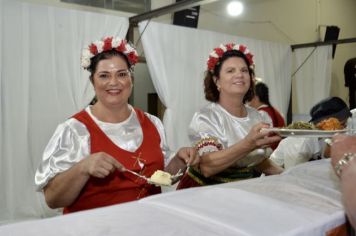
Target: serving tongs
x=177, y=176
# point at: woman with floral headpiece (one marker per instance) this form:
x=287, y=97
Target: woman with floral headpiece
x=84, y=164
x=228, y=134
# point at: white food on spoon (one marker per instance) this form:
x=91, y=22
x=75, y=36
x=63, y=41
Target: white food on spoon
x=161, y=178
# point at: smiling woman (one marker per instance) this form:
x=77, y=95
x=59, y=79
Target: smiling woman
x=84, y=164
x=228, y=134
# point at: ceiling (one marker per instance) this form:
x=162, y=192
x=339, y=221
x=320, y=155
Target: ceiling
x=220, y=5
x=133, y=6
x=140, y=6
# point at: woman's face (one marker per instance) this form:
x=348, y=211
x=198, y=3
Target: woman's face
x=112, y=82
x=234, y=77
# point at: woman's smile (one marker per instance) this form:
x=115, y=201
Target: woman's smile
x=238, y=82
x=113, y=92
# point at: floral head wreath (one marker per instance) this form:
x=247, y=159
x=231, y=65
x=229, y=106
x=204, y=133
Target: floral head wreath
x=107, y=44
x=217, y=53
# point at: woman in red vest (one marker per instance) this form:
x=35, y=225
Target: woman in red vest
x=261, y=102
x=84, y=163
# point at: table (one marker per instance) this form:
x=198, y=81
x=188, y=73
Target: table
x=304, y=200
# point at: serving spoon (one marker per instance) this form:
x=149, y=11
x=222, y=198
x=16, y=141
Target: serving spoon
x=174, y=178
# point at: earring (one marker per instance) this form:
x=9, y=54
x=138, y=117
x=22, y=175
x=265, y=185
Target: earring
x=218, y=87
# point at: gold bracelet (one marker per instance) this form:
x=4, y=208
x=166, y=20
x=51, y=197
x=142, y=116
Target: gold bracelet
x=344, y=161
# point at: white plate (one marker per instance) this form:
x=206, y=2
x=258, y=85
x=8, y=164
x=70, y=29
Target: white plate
x=305, y=132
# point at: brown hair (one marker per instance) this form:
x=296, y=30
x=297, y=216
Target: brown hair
x=210, y=89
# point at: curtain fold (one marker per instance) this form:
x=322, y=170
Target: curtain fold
x=176, y=58
x=313, y=79
x=41, y=85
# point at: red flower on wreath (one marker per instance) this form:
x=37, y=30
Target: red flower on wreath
x=217, y=53
x=107, y=44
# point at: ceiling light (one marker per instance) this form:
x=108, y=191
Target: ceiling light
x=234, y=8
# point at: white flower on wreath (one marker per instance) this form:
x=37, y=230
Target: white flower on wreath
x=129, y=48
x=85, y=59
x=223, y=47
x=116, y=42
x=99, y=45
x=213, y=54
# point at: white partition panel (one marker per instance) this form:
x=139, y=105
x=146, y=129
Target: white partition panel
x=176, y=58
x=41, y=85
x=313, y=79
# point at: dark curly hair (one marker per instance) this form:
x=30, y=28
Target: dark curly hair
x=210, y=89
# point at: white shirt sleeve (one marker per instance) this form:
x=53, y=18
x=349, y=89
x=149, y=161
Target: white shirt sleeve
x=295, y=150
x=67, y=146
x=266, y=118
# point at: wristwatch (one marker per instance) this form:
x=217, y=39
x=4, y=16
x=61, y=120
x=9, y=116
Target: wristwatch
x=344, y=161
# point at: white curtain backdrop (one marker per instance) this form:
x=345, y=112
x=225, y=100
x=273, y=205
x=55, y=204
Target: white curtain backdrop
x=313, y=79
x=41, y=84
x=176, y=58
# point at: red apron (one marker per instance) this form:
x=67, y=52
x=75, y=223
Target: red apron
x=120, y=187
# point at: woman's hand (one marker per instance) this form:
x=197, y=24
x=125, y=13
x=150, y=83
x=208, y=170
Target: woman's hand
x=257, y=138
x=342, y=144
x=346, y=144
x=65, y=187
x=186, y=156
x=101, y=165
x=189, y=155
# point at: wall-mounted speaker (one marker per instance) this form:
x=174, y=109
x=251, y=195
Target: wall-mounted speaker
x=331, y=34
x=188, y=17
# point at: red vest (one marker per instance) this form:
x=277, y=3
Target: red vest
x=120, y=187
x=276, y=117
x=277, y=120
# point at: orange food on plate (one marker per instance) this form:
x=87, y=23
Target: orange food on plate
x=330, y=124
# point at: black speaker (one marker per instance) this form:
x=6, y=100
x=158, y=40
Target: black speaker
x=350, y=80
x=188, y=17
x=332, y=33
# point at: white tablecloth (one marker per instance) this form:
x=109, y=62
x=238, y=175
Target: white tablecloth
x=303, y=201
